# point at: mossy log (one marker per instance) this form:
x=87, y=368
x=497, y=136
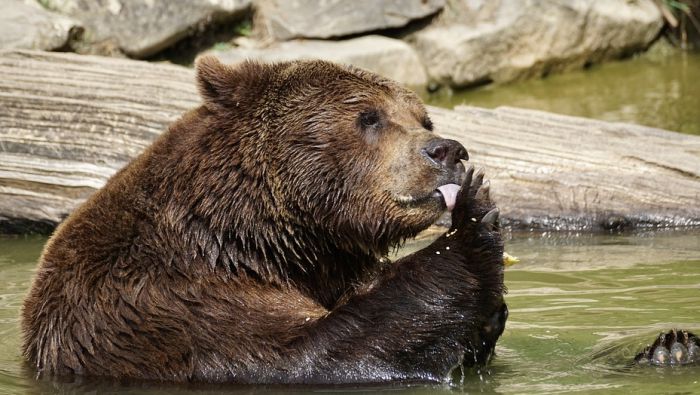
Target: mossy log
x=68, y=122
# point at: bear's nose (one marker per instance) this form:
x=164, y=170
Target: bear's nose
x=445, y=152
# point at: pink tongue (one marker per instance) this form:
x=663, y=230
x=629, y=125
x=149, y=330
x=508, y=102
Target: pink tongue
x=449, y=193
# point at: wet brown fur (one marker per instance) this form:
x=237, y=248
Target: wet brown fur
x=245, y=245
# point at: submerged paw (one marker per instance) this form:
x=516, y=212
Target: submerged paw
x=676, y=347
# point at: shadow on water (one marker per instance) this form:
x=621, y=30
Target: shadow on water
x=581, y=306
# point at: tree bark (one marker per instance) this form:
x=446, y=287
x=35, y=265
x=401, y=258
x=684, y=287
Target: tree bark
x=68, y=122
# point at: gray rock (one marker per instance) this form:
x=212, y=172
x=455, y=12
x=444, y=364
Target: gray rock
x=26, y=25
x=69, y=122
x=141, y=28
x=385, y=56
x=504, y=40
x=287, y=19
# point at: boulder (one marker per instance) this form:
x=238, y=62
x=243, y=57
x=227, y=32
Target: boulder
x=385, y=56
x=140, y=28
x=287, y=19
x=504, y=40
x=26, y=25
x=70, y=122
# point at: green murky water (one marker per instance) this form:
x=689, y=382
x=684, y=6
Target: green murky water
x=581, y=306
x=660, y=88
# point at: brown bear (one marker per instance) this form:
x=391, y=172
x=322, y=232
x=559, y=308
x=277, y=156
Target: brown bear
x=248, y=244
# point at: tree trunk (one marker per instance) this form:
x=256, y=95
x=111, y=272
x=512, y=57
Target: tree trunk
x=68, y=122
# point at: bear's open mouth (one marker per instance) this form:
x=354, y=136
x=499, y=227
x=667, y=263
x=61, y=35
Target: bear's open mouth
x=446, y=194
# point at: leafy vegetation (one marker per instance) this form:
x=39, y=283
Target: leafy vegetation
x=683, y=19
x=245, y=28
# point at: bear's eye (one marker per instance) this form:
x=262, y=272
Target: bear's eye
x=369, y=119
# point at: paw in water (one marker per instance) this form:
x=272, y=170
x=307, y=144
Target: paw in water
x=676, y=347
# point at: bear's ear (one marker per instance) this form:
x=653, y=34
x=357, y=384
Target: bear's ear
x=217, y=82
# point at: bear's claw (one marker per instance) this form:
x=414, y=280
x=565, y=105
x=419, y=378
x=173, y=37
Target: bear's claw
x=491, y=217
x=478, y=177
x=467, y=181
x=473, y=204
x=676, y=347
x=483, y=194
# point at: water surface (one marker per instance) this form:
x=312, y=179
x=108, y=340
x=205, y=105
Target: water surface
x=660, y=88
x=581, y=307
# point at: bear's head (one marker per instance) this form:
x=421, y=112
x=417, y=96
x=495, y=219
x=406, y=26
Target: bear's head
x=334, y=151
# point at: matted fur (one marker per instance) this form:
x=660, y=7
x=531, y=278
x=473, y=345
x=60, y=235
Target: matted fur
x=247, y=243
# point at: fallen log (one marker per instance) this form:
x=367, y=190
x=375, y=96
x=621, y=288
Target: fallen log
x=560, y=172
x=68, y=122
